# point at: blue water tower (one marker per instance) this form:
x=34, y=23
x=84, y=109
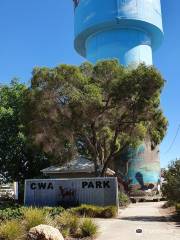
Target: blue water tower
x=129, y=30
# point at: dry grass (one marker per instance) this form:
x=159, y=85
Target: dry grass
x=12, y=230
x=88, y=228
x=34, y=217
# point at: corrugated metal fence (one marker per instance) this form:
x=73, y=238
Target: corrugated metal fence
x=54, y=192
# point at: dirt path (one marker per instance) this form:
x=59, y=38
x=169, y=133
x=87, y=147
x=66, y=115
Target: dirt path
x=146, y=216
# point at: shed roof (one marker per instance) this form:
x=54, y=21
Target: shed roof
x=78, y=165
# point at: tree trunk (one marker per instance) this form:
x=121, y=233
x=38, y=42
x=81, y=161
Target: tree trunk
x=103, y=172
x=96, y=167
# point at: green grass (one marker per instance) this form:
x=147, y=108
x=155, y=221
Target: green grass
x=68, y=223
x=109, y=212
x=123, y=199
x=11, y=230
x=53, y=211
x=88, y=228
x=11, y=213
x=74, y=226
x=17, y=212
x=169, y=204
x=178, y=208
x=95, y=211
x=34, y=217
x=16, y=221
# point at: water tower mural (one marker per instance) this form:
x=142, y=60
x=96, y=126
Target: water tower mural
x=129, y=30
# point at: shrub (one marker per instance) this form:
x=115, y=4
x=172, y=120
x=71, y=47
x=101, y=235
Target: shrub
x=10, y=204
x=138, y=193
x=65, y=232
x=109, y=212
x=178, y=208
x=8, y=213
x=11, y=213
x=34, y=217
x=168, y=204
x=11, y=230
x=171, y=187
x=53, y=211
x=95, y=211
x=87, y=210
x=123, y=199
x=88, y=228
x=68, y=222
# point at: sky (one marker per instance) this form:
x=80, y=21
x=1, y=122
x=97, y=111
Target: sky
x=41, y=33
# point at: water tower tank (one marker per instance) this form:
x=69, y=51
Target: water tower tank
x=129, y=30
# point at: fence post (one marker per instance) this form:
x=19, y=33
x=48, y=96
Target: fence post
x=15, y=190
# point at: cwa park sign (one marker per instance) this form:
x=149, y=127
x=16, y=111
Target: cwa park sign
x=71, y=192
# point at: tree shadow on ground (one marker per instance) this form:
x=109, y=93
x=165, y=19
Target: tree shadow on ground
x=144, y=219
x=174, y=219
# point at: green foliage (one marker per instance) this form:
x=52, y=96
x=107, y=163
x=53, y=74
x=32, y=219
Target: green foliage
x=18, y=159
x=11, y=230
x=65, y=232
x=95, y=110
x=34, y=217
x=171, y=188
x=68, y=223
x=89, y=228
x=169, y=204
x=11, y=213
x=123, y=199
x=138, y=193
x=95, y=211
x=53, y=211
x=109, y=212
x=86, y=210
x=178, y=208
x=17, y=212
